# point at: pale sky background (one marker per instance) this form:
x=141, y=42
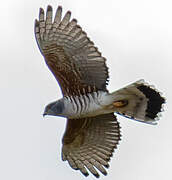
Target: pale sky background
x=136, y=38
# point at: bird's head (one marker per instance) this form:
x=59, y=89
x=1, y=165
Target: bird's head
x=54, y=109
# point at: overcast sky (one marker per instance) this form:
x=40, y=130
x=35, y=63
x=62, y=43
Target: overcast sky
x=136, y=38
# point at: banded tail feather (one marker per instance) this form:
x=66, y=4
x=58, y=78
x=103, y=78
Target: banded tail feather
x=142, y=102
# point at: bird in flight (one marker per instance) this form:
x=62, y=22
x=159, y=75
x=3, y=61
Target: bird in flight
x=92, y=131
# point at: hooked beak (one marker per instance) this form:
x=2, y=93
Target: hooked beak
x=48, y=112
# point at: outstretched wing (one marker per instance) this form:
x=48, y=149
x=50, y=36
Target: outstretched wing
x=73, y=59
x=88, y=143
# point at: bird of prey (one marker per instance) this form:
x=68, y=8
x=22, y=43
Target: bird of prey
x=92, y=132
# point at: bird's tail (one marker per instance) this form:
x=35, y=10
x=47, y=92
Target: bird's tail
x=139, y=101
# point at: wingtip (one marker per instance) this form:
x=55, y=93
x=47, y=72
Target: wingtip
x=74, y=20
x=49, y=8
x=96, y=175
x=41, y=10
x=86, y=174
x=107, y=166
x=36, y=29
x=69, y=12
x=36, y=23
x=104, y=173
x=59, y=8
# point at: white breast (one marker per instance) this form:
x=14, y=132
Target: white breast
x=87, y=105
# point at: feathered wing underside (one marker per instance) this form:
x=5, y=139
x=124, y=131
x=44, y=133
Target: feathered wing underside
x=88, y=143
x=73, y=59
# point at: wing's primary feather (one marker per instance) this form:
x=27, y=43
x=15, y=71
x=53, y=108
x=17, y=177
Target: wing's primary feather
x=73, y=59
x=88, y=143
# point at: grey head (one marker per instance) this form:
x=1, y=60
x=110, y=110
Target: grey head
x=54, y=109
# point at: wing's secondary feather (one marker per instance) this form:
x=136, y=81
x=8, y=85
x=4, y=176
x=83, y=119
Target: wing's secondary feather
x=89, y=143
x=73, y=59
